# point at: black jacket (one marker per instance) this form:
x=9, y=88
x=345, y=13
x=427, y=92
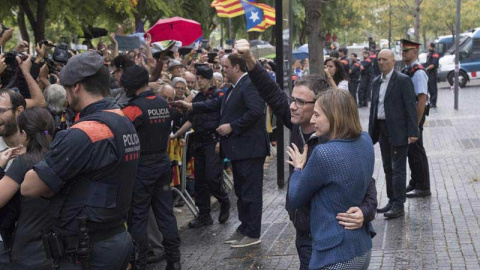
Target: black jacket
x=245, y=111
x=400, y=109
x=277, y=99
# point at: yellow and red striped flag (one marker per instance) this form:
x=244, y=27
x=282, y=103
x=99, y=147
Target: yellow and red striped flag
x=228, y=8
x=233, y=8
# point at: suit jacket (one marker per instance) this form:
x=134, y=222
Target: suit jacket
x=400, y=109
x=243, y=108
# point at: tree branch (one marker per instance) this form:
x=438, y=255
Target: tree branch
x=29, y=13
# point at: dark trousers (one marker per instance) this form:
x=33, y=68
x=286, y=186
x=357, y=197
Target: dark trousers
x=110, y=254
x=31, y=256
x=248, y=184
x=152, y=189
x=208, y=177
x=155, y=237
x=303, y=242
x=432, y=87
x=394, y=159
x=418, y=162
x=352, y=88
x=363, y=91
x=4, y=258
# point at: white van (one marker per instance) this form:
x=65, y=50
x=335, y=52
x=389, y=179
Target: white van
x=469, y=60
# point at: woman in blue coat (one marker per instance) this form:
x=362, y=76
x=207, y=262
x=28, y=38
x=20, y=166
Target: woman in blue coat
x=335, y=178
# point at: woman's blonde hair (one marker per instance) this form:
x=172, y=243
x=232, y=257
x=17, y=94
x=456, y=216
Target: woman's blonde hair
x=342, y=113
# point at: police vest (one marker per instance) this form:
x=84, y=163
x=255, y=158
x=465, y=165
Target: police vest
x=206, y=121
x=103, y=196
x=156, y=126
x=410, y=71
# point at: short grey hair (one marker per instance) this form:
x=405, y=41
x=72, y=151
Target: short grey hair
x=218, y=75
x=55, y=96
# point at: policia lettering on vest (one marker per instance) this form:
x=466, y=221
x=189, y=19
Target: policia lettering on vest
x=88, y=174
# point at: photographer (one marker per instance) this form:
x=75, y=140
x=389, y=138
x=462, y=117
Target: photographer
x=36, y=97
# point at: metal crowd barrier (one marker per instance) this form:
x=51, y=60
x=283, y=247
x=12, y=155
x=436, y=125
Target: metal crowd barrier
x=182, y=192
x=183, y=180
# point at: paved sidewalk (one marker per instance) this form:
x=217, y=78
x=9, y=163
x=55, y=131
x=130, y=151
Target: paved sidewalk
x=439, y=232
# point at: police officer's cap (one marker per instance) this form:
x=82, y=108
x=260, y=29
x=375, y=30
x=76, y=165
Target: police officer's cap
x=407, y=45
x=134, y=77
x=205, y=72
x=80, y=67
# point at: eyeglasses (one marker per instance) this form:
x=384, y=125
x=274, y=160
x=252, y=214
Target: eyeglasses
x=299, y=102
x=180, y=88
x=4, y=110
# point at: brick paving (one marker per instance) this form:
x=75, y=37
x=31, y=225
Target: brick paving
x=439, y=232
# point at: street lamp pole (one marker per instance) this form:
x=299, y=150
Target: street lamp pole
x=457, y=54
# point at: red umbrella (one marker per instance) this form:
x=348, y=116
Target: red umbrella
x=176, y=28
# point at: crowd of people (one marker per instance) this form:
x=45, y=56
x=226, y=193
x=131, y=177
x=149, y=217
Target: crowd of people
x=91, y=144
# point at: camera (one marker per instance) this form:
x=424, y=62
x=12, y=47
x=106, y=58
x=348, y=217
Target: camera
x=4, y=28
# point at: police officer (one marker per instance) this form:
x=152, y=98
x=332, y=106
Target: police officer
x=151, y=117
x=89, y=173
x=208, y=163
x=431, y=67
x=365, y=80
x=419, y=185
x=343, y=54
x=354, y=76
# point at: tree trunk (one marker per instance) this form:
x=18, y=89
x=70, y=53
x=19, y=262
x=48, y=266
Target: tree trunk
x=425, y=42
x=253, y=35
x=416, y=14
x=21, y=25
x=37, y=21
x=39, y=31
x=389, y=25
x=313, y=11
x=140, y=14
x=272, y=37
x=303, y=34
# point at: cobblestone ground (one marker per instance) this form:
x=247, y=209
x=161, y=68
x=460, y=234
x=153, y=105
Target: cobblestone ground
x=439, y=232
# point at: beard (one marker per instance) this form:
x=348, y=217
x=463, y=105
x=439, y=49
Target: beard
x=9, y=127
x=73, y=100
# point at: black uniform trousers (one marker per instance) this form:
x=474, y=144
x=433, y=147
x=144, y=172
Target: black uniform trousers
x=4, y=258
x=394, y=159
x=152, y=189
x=208, y=177
x=248, y=184
x=363, y=91
x=418, y=162
x=352, y=88
x=432, y=87
x=110, y=254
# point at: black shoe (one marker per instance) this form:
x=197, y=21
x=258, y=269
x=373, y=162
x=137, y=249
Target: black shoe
x=409, y=188
x=433, y=105
x=200, y=221
x=416, y=193
x=365, y=104
x=385, y=209
x=224, y=212
x=153, y=258
x=394, y=212
x=173, y=266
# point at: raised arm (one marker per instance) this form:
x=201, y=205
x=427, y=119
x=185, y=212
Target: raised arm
x=37, y=100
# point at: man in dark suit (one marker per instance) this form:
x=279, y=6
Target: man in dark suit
x=393, y=123
x=244, y=140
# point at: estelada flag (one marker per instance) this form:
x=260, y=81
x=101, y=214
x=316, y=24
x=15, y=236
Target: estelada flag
x=258, y=16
